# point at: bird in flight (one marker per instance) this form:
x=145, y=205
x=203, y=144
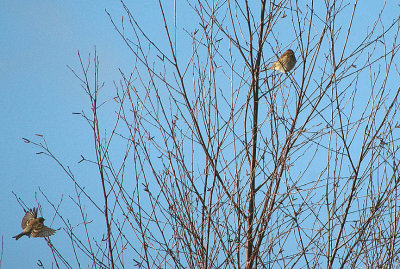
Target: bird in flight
x=33, y=226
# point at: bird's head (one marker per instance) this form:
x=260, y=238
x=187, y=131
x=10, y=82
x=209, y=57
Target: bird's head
x=41, y=220
x=289, y=52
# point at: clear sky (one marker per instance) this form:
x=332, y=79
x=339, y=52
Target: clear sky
x=38, y=39
x=38, y=95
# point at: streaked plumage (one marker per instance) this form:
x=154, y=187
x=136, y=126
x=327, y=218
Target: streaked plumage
x=285, y=63
x=33, y=226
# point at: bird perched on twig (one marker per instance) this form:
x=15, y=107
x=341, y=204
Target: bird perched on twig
x=285, y=63
x=33, y=226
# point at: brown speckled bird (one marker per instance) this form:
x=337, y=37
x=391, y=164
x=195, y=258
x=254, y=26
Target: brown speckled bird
x=33, y=226
x=285, y=63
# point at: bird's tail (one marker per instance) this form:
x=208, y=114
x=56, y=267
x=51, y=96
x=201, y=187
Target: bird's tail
x=18, y=236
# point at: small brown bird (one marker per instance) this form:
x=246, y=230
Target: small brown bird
x=33, y=226
x=285, y=63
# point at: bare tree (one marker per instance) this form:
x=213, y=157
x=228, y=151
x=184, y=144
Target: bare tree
x=214, y=162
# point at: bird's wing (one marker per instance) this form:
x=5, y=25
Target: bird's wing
x=42, y=231
x=31, y=214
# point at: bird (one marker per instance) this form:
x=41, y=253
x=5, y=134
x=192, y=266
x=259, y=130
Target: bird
x=33, y=226
x=285, y=63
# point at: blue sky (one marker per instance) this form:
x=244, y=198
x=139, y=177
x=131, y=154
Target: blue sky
x=39, y=39
x=38, y=96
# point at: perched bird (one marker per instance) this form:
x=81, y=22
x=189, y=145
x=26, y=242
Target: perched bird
x=285, y=63
x=33, y=226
